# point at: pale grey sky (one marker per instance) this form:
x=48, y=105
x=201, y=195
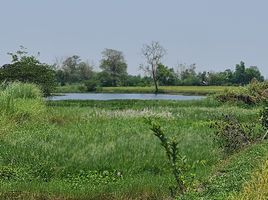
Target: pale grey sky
x=214, y=34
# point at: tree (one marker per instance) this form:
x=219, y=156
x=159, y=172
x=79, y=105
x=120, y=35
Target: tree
x=25, y=68
x=243, y=75
x=165, y=75
x=73, y=70
x=153, y=53
x=114, y=67
x=188, y=75
x=253, y=72
x=239, y=74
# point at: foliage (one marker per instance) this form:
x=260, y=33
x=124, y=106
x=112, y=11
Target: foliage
x=166, y=76
x=73, y=70
x=254, y=93
x=264, y=119
x=29, y=69
x=114, y=68
x=91, y=85
x=178, y=163
x=132, y=80
x=233, y=135
x=257, y=187
x=243, y=75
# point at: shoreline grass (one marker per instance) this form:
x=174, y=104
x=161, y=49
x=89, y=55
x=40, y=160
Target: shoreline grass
x=189, y=90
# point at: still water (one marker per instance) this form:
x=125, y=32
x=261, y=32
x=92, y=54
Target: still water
x=108, y=96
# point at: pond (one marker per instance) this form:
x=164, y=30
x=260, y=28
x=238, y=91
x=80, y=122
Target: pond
x=119, y=96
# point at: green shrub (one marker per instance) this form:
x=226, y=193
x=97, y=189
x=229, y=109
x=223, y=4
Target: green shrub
x=28, y=69
x=253, y=93
x=91, y=85
x=178, y=163
x=232, y=135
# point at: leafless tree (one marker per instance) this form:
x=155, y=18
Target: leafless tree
x=153, y=54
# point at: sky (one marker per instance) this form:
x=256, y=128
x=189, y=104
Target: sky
x=214, y=34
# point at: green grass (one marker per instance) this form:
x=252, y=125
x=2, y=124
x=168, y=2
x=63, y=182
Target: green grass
x=105, y=150
x=73, y=88
x=197, y=90
x=193, y=90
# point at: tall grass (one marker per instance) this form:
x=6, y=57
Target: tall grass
x=21, y=100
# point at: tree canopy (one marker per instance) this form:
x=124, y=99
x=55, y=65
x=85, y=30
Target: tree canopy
x=27, y=68
x=114, y=68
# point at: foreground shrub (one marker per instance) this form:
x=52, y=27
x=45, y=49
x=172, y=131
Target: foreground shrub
x=177, y=162
x=232, y=135
x=254, y=93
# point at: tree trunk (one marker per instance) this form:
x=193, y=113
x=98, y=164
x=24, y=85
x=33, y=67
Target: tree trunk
x=155, y=79
x=156, y=86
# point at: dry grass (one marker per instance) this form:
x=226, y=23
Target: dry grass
x=257, y=187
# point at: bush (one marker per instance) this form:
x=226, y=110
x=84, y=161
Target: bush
x=28, y=69
x=232, y=135
x=91, y=85
x=254, y=93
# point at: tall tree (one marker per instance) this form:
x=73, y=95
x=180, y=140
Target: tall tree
x=114, y=67
x=239, y=74
x=153, y=53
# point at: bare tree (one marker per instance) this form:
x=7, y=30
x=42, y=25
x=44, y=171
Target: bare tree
x=153, y=54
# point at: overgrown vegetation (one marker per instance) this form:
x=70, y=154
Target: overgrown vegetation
x=253, y=93
x=233, y=135
x=105, y=150
x=257, y=187
x=28, y=69
x=21, y=101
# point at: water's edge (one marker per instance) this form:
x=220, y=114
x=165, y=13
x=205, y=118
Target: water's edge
x=122, y=96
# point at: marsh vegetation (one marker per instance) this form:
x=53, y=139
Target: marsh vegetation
x=106, y=150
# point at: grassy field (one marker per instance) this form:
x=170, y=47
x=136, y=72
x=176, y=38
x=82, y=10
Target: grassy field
x=105, y=150
x=193, y=90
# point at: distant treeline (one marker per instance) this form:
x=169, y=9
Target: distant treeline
x=113, y=72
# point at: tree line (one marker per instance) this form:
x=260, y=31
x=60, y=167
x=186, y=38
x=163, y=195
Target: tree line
x=113, y=71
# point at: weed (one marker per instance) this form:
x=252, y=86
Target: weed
x=232, y=135
x=177, y=162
